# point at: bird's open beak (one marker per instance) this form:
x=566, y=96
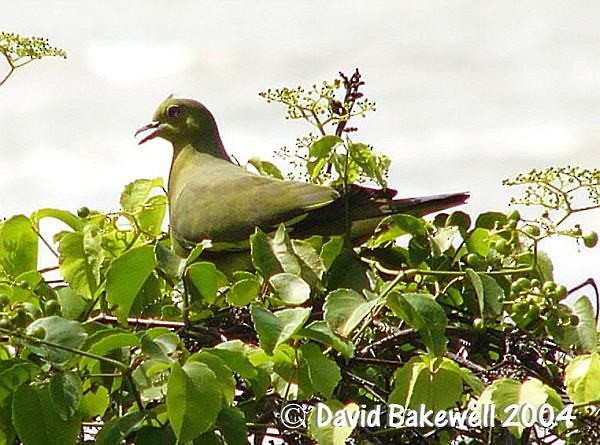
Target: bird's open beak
x=151, y=126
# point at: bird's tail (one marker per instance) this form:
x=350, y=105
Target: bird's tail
x=424, y=205
x=367, y=207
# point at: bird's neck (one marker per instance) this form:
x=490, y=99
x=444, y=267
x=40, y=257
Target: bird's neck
x=191, y=156
x=209, y=143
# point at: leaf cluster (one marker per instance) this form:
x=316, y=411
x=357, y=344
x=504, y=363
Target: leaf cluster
x=122, y=341
x=19, y=51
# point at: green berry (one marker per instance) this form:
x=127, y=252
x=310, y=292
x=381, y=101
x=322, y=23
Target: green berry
x=535, y=283
x=23, y=284
x=511, y=224
x=83, y=212
x=412, y=287
x=473, y=260
x=590, y=239
x=478, y=323
x=501, y=246
x=21, y=318
x=514, y=215
x=532, y=230
x=532, y=313
x=561, y=291
x=4, y=300
x=574, y=320
x=51, y=307
x=548, y=287
x=521, y=284
x=38, y=332
x=5, y=323
x=520, y=308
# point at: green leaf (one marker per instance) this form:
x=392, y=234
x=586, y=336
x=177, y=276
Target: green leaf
x=159, y=344
x=311, y=264
x=265, y=168
x=493, y=293
x=345, y=309
x=109, y=340
x=282, y=248
x=232, y=424
x=320, y=331
x=136, y=193
x=331, y=249
x=151, y=216
x=243, y=292
x=224, y=375
x=234, y=355
x=479, y=242
x=94, y=402
x=489, y=293
x=465, y=374
x=205, y=277
x=37, y=422
x=166, y=259
x=374, y=165
x=119, y=428
x=8, y=436
x=505, y=392
x=65, y=393
x=194, y=400
x=274, y=329
x=331, y=434
x=289, y=288
x=148, y=435
x=478, y=286
x=263, y=257
x=14, y=373
x=323, y=147
x=197, y=251
x=444, y=237
x=80, y=259
x=587, y=336
x=68, y=218
x=147, y=297
x=126, y=276
x=395, y=226
x=425, y=315
x=18, y=245
x=320, y=152
x=324, y=373
x=72, y=304
x=426, y=381
x=581, y=378
x=58, y=331
x=491, y=220
x=545, y=266
x=347, y=271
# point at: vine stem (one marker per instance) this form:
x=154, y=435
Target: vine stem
x=117, y=364
x=441, y=273
x=125, y=369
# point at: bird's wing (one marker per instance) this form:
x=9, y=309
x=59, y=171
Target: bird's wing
x=214, y=199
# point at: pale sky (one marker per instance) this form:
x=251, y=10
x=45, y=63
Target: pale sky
x=468, y=92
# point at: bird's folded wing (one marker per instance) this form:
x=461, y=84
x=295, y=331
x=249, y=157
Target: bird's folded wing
x=226, y=207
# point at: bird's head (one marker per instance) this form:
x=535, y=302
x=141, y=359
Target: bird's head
x=184, y=122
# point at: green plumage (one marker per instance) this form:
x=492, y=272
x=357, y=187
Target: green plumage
x=212, y=198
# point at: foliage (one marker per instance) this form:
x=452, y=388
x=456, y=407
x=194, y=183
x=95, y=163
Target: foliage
x=19, y=51
x=124, y=341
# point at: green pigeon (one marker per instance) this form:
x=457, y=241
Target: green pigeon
x=212, y=198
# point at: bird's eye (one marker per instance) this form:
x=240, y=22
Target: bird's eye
x=174, y=111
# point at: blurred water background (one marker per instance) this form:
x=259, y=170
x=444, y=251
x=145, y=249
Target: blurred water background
x=468, y=92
